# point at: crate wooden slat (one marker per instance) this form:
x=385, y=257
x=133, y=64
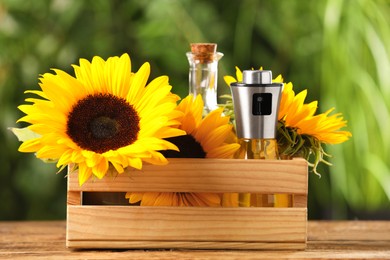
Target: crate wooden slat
x=207, y=175
x=193, y=227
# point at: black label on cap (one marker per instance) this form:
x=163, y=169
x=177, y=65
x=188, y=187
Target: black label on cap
x=262, y=104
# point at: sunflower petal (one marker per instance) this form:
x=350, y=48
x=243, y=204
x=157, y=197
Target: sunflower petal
x=138, y=83
x=51, y=113
x=84, y=173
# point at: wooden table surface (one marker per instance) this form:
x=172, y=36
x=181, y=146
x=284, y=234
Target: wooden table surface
x=326, y=240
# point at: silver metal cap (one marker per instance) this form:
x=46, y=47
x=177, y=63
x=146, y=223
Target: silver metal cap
x=257, y=77
x=256, y=104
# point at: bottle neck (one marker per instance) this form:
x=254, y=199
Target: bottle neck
x=203, y=79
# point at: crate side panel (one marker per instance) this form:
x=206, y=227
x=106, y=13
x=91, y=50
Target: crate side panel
x=201, y=175
x=74, y=198
x=300, y=201
x=124, y=244
x=123, y=223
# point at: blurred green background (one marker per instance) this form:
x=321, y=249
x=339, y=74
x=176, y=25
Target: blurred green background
x=337, y=49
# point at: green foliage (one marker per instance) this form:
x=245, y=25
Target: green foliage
x=337, y=49
x=355, y=69
x=291, y=144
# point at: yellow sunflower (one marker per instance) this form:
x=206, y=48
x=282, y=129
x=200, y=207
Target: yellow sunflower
x=296, y=114
x=300, y=131
x=210, y=137
x=104, y=116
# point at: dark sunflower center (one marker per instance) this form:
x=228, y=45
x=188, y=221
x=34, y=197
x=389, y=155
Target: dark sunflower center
x=103, y=122
x=188, y=146
x=104, y=127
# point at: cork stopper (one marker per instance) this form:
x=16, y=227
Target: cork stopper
x=204, y=52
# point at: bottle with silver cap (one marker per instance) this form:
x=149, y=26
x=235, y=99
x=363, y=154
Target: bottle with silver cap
x=256, y=105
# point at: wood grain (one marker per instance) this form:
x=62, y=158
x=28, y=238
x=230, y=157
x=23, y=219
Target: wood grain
x=118, y=244
x=300, y=201
x=73, y=198
x=184, y=227
x=326, y=240
x=188, y=224
x=211, y=175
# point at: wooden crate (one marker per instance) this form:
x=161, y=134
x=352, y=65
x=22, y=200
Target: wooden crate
x=109, y=226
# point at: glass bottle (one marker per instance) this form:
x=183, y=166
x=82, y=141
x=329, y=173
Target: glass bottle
x=256, y=104
x=203, y=74
x=257, y=149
